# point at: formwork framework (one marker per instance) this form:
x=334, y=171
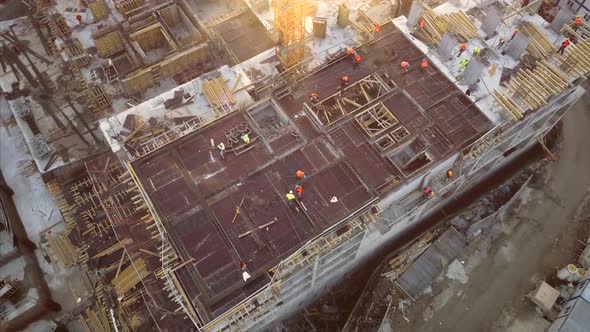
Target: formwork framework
x=288, y=21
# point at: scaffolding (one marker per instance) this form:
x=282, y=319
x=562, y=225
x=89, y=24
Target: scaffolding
x=290, y=31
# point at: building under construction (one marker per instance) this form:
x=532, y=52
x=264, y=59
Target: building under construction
x=176, y=233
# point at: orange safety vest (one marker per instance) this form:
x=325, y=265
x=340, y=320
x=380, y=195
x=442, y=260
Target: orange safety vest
x=344, y=79
x=357, y=58
x=424, y=64
x=350, y=50
x=421, y=24
x=300, y=174
x=450, y=173
x=463, y=47
x=405, y=64
x=578, y=21
x=299, y=189
x=377, y=28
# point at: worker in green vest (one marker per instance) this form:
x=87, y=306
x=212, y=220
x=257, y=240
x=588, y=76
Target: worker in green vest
x=290, y=197
x=246, y=138
x=476, y=51
x=464, y=63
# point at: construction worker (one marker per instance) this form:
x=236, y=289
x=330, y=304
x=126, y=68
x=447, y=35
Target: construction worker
x=476, y=51
x=501, y=42
x=350, y=51
x=462, y=49
x=464, y=63
x=377, y=28
x=405, y=65
x=299, y=190
x=221, y=148
x=344, y=81
x=244, y=268
x=246, y=138
x=420, y=25
x=449, y=175
x=357, y=59
x=428, y=192
x=79, y=18
x=514, y=34
x=565, y=44
x=577, y=22
x=290, y=197
x=313, y=98
x=424, y=64
x=300, y=175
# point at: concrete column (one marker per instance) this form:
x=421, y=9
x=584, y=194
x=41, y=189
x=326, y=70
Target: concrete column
x=414, y=14
x=491, y=21
x=446, y=46
x=473, y=71
x=564, y=16
x=517, y=46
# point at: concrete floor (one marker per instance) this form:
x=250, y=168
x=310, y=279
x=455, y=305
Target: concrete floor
x=502, y=270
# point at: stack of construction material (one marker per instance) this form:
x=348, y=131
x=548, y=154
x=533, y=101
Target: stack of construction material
x=539, y=46
x=576, y=61
x=95, y=320
x=217, y=94
x=130, y=277
x=530, y=89
x=66, y=252
x=435, y=25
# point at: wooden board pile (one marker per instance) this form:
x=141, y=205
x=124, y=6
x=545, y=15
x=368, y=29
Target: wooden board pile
x=68, y=254
x=576, y=60
x=436, y=25
x=130, y=277
x=539, y=46
x=530, y=89
x=218, y=95
x=400, y=263
x=95, y=321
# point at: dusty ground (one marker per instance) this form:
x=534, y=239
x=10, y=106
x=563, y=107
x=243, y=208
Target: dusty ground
x=540, y=238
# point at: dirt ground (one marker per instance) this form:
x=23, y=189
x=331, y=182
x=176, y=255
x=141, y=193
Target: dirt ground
x=534, y=243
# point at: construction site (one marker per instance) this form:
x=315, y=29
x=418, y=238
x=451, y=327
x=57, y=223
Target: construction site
x=285, y=165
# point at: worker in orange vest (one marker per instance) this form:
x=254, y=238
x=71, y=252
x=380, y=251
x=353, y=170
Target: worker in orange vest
x=420, y=25
x=449, y=175
x=565, y=44
x=377, y=28
x=405, y=66
x=577, y=22
x=299, y=190
x=350, y=51
x=344, y=81
x=300, y=175
x=423, y=64
x=357, y=59
x=313, y=98
x=462, y=49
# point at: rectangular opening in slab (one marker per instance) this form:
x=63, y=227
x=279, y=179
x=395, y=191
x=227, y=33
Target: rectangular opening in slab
x=179, y=25
x=376, y=120
x=153, y=41
x=275, y=127
x=350, y=99
x=413, y=156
